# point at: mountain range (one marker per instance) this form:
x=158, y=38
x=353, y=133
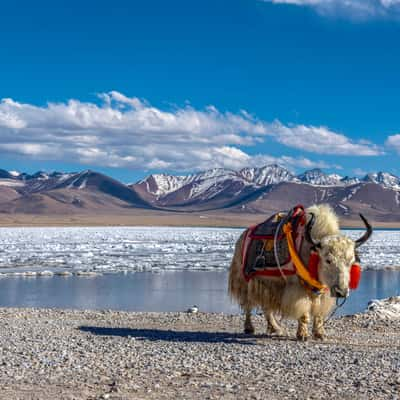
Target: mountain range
x=250, y=190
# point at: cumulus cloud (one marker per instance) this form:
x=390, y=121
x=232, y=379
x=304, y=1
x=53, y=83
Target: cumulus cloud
x=359, y=172
x=393, y=143
x=128, y=132
x=321, y=140
x=358, y=9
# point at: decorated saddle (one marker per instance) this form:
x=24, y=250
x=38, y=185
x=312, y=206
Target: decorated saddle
x=266, y=249
x=273, y=248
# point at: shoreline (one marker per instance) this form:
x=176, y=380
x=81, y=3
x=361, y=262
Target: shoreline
x=161, y=219
x=48, y=353
x=163, y=291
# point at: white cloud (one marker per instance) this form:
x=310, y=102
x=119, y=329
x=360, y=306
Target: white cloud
x=393, y=143
x=130, y=133
x=291, y=163
x=321, y=140
x=359, y=172
x=357, y=9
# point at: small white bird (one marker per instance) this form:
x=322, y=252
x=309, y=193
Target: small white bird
x=192, y=310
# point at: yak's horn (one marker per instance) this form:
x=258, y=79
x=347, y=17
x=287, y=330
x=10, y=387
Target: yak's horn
x=366, y=235
x=307, y=233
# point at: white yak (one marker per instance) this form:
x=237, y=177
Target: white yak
x=288, y=297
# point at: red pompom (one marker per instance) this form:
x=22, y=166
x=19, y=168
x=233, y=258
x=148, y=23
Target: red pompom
x=313, y=263
x=355, y=276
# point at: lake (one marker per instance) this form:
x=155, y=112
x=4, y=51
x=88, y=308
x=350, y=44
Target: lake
x=150, y=269
x=165, y=291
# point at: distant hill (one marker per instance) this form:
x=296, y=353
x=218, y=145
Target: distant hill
x=271, y=188
x=66, y=193
x=248, y=191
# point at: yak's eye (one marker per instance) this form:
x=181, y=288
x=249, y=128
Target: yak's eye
x=328, y=261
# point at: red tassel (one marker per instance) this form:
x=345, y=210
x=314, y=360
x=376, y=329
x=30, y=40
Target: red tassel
x=355, y=276
x=313, y=263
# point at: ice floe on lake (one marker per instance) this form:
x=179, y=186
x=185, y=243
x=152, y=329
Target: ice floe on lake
x=98, y=250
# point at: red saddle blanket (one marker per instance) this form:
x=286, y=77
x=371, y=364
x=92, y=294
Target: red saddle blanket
x=265, y=245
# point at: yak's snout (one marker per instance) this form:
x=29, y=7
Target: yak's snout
x=339, y=292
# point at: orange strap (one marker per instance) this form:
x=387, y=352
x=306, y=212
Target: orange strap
x=301, y=270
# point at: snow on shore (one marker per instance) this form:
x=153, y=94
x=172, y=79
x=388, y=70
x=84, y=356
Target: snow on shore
x=386, y=308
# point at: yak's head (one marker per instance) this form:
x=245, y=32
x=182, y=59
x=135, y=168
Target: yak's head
x=337, y=255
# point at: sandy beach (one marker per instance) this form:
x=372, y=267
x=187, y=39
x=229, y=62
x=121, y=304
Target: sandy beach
x=54, y=354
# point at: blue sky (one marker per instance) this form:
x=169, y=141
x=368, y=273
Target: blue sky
x=134, y=87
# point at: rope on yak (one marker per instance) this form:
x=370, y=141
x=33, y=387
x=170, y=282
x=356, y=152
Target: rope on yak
x=336, y=308
x=276, y=248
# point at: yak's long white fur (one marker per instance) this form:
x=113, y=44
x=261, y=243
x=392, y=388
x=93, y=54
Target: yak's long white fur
x=290, y=298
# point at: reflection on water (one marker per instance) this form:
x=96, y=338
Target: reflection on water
x=166, y=291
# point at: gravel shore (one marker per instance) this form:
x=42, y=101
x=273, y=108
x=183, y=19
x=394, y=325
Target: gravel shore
x=58, y=354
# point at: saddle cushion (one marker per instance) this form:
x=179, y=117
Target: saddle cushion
x=259, y=250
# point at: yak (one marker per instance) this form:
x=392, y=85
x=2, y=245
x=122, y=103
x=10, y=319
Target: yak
x=288, y=297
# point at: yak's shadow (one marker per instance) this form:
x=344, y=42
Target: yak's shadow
x=171, y=336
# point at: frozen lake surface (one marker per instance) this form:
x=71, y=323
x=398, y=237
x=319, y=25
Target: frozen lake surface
x=179, y=267
x=47, y=251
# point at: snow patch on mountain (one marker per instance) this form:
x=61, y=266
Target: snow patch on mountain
x=318, y=178
x=349, y=181
x=162, y=184
x=352, y=192
x=268, y=175
x=14, y=173
x=208, y=184
x=385, y=179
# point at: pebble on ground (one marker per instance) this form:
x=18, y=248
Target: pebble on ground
x=59, y=354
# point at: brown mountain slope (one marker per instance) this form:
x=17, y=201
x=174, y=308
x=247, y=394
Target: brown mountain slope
x=7, y=194
x=66, y=202
x=368, y=198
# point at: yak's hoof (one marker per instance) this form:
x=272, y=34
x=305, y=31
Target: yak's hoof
x=302, y=338
x=249, y=331
x=318, y=336
x=274, y=332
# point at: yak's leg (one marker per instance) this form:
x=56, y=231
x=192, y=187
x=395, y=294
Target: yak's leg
x=248, y=325
x=302, y=330
x=318, y=327
x=272, y=324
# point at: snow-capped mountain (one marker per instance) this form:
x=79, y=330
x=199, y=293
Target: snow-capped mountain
x=217, y=185
x=385, y=179
x=171, y=190
x=317, y=177
x=348, y=181
x=268, y=175
x=162, y=184
x=271, y=188
x=209, y=184
x=250, y=190
x=6, y=174
x=67, y=190
x=14, y=173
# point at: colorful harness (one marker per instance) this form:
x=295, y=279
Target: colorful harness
x=272, y=249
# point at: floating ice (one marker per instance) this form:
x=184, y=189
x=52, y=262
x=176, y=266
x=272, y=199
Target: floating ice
x=99, y=250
